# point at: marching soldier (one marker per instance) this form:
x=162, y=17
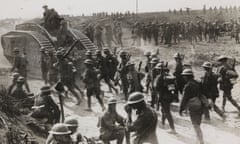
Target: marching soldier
x=191, y=99
x=210, y=89
x=108, y=129
x=146, y=123
x=91, y=78
x=66, y=73
x=151, y=77
x=134, y=79
x=165, y=94
x=123, y=71
x=45, y=107
x=225, y=82
x=178, y=71
x=147, y=69
x=110, y=70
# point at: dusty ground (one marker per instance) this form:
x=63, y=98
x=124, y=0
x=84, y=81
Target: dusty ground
x=215, y=132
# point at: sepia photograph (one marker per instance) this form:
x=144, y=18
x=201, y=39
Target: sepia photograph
x=120, y=72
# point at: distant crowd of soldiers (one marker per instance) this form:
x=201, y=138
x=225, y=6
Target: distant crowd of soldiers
x=169, y=33
x=105, y=34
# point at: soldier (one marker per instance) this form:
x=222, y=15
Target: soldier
x=109, y=35
x=45, y=107
x=43, y=62
x=134, y=79
x=23, y=101
x=151, y=76
x=98, y=36
x=165, y=94
x=168, y=34
x=147, y=69
x=191, y=99
x=146, y=122
x=72, y=124
x=155, y=32
x=119, y=34
x=108, y=129
x=15, y=77
x=210, y=89
x=20, y=66
x=61, y=134
x=91, y=78
x=52, y=71
x=178, y=72
x=123, y=71
x=46, y=15
x=225, y=82
x=66, y=74
x=111, y=64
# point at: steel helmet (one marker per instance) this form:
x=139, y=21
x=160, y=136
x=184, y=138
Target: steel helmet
x=222, y=58
x=112, y=100
x=20, y=79
x=106, y=50
x=130, y=64
x=154, y=61
x=45, y=89
x=15, y=74
x=123, y=53
x=59, y=53
x=187, y=72
x=60, y=129
x=135, y=97
x=98, y=52
x=88, y=53
x=16, y=50
x=88, y=61
x=147, y=53
x=71, y=122
x=177, y=55
x=207, y=65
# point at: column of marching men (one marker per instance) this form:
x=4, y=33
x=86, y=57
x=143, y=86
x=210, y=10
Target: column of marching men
x=119, y=72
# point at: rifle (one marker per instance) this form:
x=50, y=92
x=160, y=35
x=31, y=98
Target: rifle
x=60, y=88
x=139, y=66
x=70, y=49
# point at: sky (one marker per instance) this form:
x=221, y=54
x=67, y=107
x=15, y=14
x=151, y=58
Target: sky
x=33, y=8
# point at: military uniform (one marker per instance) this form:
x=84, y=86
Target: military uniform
x=45, y=107
x=44, y=68
x=91, y=78
x=226, y=86
x=66, y=74
x=123, y=71
x=177, y=73
x=192, y=100
x=145, y=127
x=210, y=90
x=165, y=97
x=108, y=128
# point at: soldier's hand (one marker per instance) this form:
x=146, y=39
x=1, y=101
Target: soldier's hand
x=180, y=113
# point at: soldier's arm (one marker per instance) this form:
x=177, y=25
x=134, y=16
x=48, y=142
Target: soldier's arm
x=106, y=123
x=138, y=124
x=185, y=99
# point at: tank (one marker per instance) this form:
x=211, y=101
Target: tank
x=30, y=37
